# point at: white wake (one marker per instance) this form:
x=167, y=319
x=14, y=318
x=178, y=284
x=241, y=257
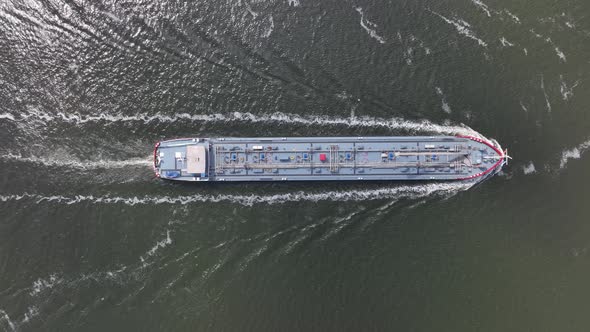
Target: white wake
x=573, y=153
x=406, y=191
x=394, y=123
x=72, y=163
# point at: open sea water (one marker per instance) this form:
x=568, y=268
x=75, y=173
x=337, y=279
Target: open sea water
x=90, y=240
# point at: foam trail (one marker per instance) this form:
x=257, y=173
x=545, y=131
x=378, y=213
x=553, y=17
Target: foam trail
x=270, y=29
x=342, y=222
x=79, y=164
x=251, y=257
x=505, y=42
x=247, y=117
x=547, y=103
x=4, y=316
x=512, y=16
x=573, y=153
x=445, y=106
x=411, y=191
x=41, y=285
x=482, y=6
x=462, y=28
x=7, y=116
x=566, y=92
x=558, y=52
x=160, y=244
x=529, y=168
x=32, y=312
x=367, y=26
x=535, y=33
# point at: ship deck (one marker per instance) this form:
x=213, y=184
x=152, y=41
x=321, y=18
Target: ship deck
x=326, y=158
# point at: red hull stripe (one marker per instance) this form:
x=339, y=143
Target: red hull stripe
x=500, y=153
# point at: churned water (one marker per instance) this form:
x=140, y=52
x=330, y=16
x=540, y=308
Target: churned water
x=91, y=241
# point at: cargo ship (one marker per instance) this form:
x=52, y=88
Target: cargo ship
x=405, y=158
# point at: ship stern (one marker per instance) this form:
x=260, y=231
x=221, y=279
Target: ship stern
x=157, y=159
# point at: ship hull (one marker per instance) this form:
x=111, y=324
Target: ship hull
x=385, y=158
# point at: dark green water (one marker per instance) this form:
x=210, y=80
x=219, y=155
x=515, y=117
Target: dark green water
x=90, y=241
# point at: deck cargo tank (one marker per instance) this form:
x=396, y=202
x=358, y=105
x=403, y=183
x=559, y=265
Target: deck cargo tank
x=429, y=158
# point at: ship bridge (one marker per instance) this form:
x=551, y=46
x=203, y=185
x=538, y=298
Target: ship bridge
x=182, y=158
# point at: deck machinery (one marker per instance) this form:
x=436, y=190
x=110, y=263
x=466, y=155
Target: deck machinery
x=328, y=158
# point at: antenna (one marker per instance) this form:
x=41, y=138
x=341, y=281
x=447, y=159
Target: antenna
x=506, y=157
